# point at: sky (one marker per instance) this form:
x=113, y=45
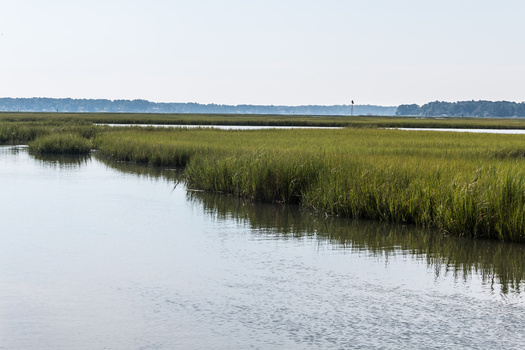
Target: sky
x=286, y=52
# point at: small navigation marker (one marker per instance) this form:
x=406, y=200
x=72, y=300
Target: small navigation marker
x=352, y=112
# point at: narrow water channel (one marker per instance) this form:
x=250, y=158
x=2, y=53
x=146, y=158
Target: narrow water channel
x=99, y=255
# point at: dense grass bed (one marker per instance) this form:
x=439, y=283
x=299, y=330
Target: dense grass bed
x=60, y=144
x=463, y=184
x=267, y=120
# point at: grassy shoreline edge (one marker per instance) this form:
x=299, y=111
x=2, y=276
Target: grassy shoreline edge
x=464, y=185
x=359, y=121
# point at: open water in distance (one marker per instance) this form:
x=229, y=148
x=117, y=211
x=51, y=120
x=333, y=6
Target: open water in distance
x=223, y=127
x=257, y=127
x=101, y=255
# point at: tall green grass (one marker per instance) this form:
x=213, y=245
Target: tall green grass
x=19, y=132
x=464, y=184
x=60, y=144
x=266, y=120
x=147, y=146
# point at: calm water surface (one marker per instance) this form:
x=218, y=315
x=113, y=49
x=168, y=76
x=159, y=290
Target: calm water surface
x=223, y=127
x=257, y=127
x=101, y=255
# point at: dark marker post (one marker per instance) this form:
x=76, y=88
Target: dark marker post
x=352, y=111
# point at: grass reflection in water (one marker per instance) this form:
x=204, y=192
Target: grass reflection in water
x=63, y=161
x=498, y=263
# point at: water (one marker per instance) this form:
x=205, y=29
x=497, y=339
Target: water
x=223, y=127
x=260, y=127
x=101, y=255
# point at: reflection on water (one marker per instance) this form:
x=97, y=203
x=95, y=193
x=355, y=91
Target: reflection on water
x=59, y=161
x=150, y=172
x=63, y=161
x=223, y=127
x=113, y=256
x=496, y=262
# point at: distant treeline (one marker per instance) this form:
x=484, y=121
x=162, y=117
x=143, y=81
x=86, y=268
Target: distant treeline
x=465, y=109
x=432, y=109
x=143, y=106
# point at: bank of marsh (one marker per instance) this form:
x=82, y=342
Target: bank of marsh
x=264, y=120
x=60, y=144
x=463, y=184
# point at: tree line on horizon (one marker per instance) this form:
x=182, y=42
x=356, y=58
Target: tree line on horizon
x=431, y=109
x=39, y=104
x=498, y=109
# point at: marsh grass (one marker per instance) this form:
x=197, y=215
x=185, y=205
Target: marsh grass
x=266, y=120
x=60, y=144
x=22, y=132
x=146, y=146
x=463, y=184
x=18, y=133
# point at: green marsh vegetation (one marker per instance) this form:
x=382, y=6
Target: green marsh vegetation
x=60, y=144
x=24, y=131
x=266, y=120
x=50, y=136
x=461, y=184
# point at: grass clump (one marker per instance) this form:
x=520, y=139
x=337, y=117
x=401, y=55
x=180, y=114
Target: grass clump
x=60, y=144
x=22, y=132
x=266, y=120
x=18, y=133
x=262, y=175
x=146, y=146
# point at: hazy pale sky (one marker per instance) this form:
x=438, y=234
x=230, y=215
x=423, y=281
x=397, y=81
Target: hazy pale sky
x=286, y=52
